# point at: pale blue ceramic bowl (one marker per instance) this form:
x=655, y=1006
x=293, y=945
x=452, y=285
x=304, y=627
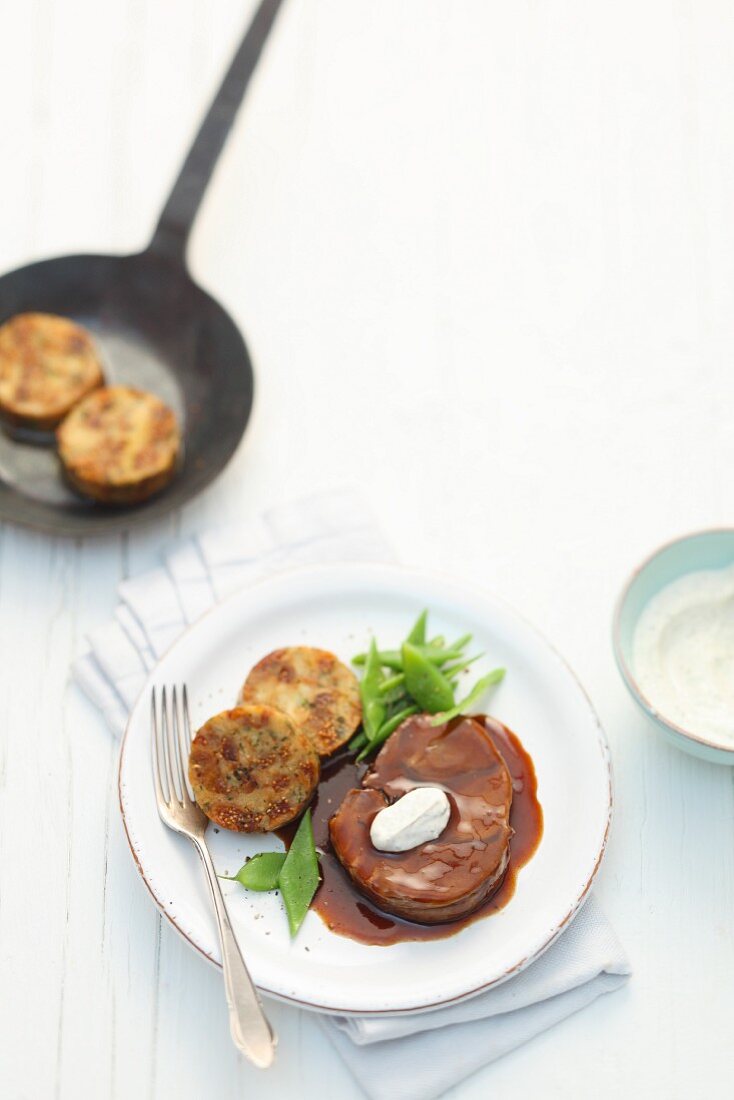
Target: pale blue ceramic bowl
x=704, y=550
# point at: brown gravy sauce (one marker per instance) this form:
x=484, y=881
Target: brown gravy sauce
x=338, y=902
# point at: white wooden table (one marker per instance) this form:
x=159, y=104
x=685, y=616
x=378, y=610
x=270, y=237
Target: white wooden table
x=483, y=255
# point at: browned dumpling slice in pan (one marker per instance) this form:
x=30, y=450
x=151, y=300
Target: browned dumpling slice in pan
x=119, y=445
x=47, y=365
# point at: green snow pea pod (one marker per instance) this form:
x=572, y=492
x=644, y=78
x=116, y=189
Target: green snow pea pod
x=299, y=875
x=425, y=682
x=261, y=872
x=417, y=634
x=386, y=729
x=391, y=682
x=358, y=741
x=453, y=670
x=476, y=693
x=373, y=705
x=392, y=658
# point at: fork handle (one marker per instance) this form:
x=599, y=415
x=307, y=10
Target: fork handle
x=251, y=1032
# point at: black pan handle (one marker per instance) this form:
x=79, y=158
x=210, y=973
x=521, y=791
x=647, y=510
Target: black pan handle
x=174, y=225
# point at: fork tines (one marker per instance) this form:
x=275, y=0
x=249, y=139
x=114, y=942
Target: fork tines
x=171, y=736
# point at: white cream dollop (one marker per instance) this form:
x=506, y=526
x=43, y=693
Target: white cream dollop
x=418, y=816
x=683, y=653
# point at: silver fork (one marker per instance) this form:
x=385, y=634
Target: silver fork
x=178, y=810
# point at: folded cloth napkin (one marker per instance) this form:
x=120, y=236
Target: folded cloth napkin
x=404, y=1057
x=398, y=1057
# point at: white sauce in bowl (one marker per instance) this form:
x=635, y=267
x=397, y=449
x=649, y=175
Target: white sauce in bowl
x=683, y=654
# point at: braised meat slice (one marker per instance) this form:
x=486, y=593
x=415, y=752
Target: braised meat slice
x=442, y=879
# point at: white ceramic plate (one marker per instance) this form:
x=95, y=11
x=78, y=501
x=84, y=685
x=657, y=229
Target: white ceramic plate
x=337, y=608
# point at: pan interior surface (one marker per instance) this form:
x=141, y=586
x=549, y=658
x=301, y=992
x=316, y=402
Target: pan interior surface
x=154, y=329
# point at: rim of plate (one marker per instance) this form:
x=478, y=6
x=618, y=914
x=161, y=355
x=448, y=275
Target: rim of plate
x=628, y=676
x=447, y=581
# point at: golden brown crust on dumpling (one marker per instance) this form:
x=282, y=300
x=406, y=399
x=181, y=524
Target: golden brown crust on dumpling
x=252, y=770
x=47, y=365
x=119, y=445
x=319, y=693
